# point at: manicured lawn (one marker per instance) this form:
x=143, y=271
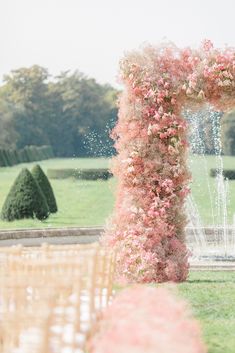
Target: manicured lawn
x=212, y=297
x=80, y=203
x=87, y=203
x=200, y=167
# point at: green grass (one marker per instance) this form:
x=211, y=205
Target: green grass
x=212, y=298
x=87, y=203
x=200, y=167
x=80, y=202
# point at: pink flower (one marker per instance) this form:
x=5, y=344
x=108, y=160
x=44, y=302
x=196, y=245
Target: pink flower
x=147, y=320
x=151, y=142
x=207, y=45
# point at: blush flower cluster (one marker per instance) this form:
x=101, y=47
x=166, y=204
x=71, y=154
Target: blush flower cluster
x=143, y=319
x=148, y=225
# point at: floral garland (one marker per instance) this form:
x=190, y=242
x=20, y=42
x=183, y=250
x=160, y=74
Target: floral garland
x=144, y=319
x=148, y=225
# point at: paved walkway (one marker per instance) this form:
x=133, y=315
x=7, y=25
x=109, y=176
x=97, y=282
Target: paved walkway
x=81, y=239
x=85, y=239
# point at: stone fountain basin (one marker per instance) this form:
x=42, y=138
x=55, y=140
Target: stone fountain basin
x=210, y=233
x=218, y=251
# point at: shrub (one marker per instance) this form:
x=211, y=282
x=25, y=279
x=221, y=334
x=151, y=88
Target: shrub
x=12, y=158
x=16, y=156
x=87, y=174
x=6, y=156
x=227, y=173
x=23, y=156
x=27, y=154
x=3, y=161
x=25, y=199
x=45, y=186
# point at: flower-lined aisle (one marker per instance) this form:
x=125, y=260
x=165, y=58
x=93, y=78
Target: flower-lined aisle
x=143, y=319
x=148, y=226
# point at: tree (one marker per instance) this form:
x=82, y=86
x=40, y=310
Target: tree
x=72, y=113
x=26, y=89
x=8, y=133
x=25, y=199
x=45, y=186
x=88, y=110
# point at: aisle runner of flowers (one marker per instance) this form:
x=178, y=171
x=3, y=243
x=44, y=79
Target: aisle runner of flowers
x=147, y=320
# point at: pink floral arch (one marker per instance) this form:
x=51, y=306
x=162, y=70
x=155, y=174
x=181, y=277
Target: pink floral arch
x=148, y=225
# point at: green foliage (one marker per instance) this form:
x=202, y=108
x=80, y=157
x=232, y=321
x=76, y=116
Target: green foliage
x=25, y=199
x=3, y=158
x=45, y=186
x=227, y=173
x=9, y=157
x=72, y=113
x=228, y=133
x=85, y=174
x=80, y=203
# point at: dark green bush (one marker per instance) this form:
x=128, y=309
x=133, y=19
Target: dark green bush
x=7, y=158
x=87, y=174
x=27, y=154
x=23, y=156
x=16, y=156
x=11, y=157
x=25, y=199
x=45, y=186
x=3, y=161
x=227, y=173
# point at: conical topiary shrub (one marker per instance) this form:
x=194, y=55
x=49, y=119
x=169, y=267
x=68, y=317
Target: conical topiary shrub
x=25, y=199
x=45, y=186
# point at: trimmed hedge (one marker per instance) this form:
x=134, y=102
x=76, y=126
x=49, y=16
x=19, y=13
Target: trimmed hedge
x=227, y=173
x=45, y=186
x=25, y=199
x=9, y=157
x=86, y=174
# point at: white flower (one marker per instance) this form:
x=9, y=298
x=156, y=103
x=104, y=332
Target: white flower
x=130, y=169
x=134, y=154
x=226, y=83
x=150, y=129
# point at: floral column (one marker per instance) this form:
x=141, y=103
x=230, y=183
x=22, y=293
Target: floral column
x=148, y=225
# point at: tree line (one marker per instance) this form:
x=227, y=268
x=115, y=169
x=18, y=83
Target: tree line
x=72, y=113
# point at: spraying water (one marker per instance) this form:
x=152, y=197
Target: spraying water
x=217, y=240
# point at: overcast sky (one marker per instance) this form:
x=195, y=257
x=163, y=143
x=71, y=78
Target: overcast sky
x=92, y=35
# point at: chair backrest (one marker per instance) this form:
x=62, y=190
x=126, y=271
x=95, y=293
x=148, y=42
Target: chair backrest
x=53, y=294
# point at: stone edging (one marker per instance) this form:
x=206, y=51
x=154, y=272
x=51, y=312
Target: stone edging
x=212, y=267
x=96, y=230
x=49, y=232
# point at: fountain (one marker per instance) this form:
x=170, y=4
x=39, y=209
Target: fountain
x=213, y=242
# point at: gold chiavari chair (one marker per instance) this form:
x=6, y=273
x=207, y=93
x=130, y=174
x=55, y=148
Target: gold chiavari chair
x=55, y=291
